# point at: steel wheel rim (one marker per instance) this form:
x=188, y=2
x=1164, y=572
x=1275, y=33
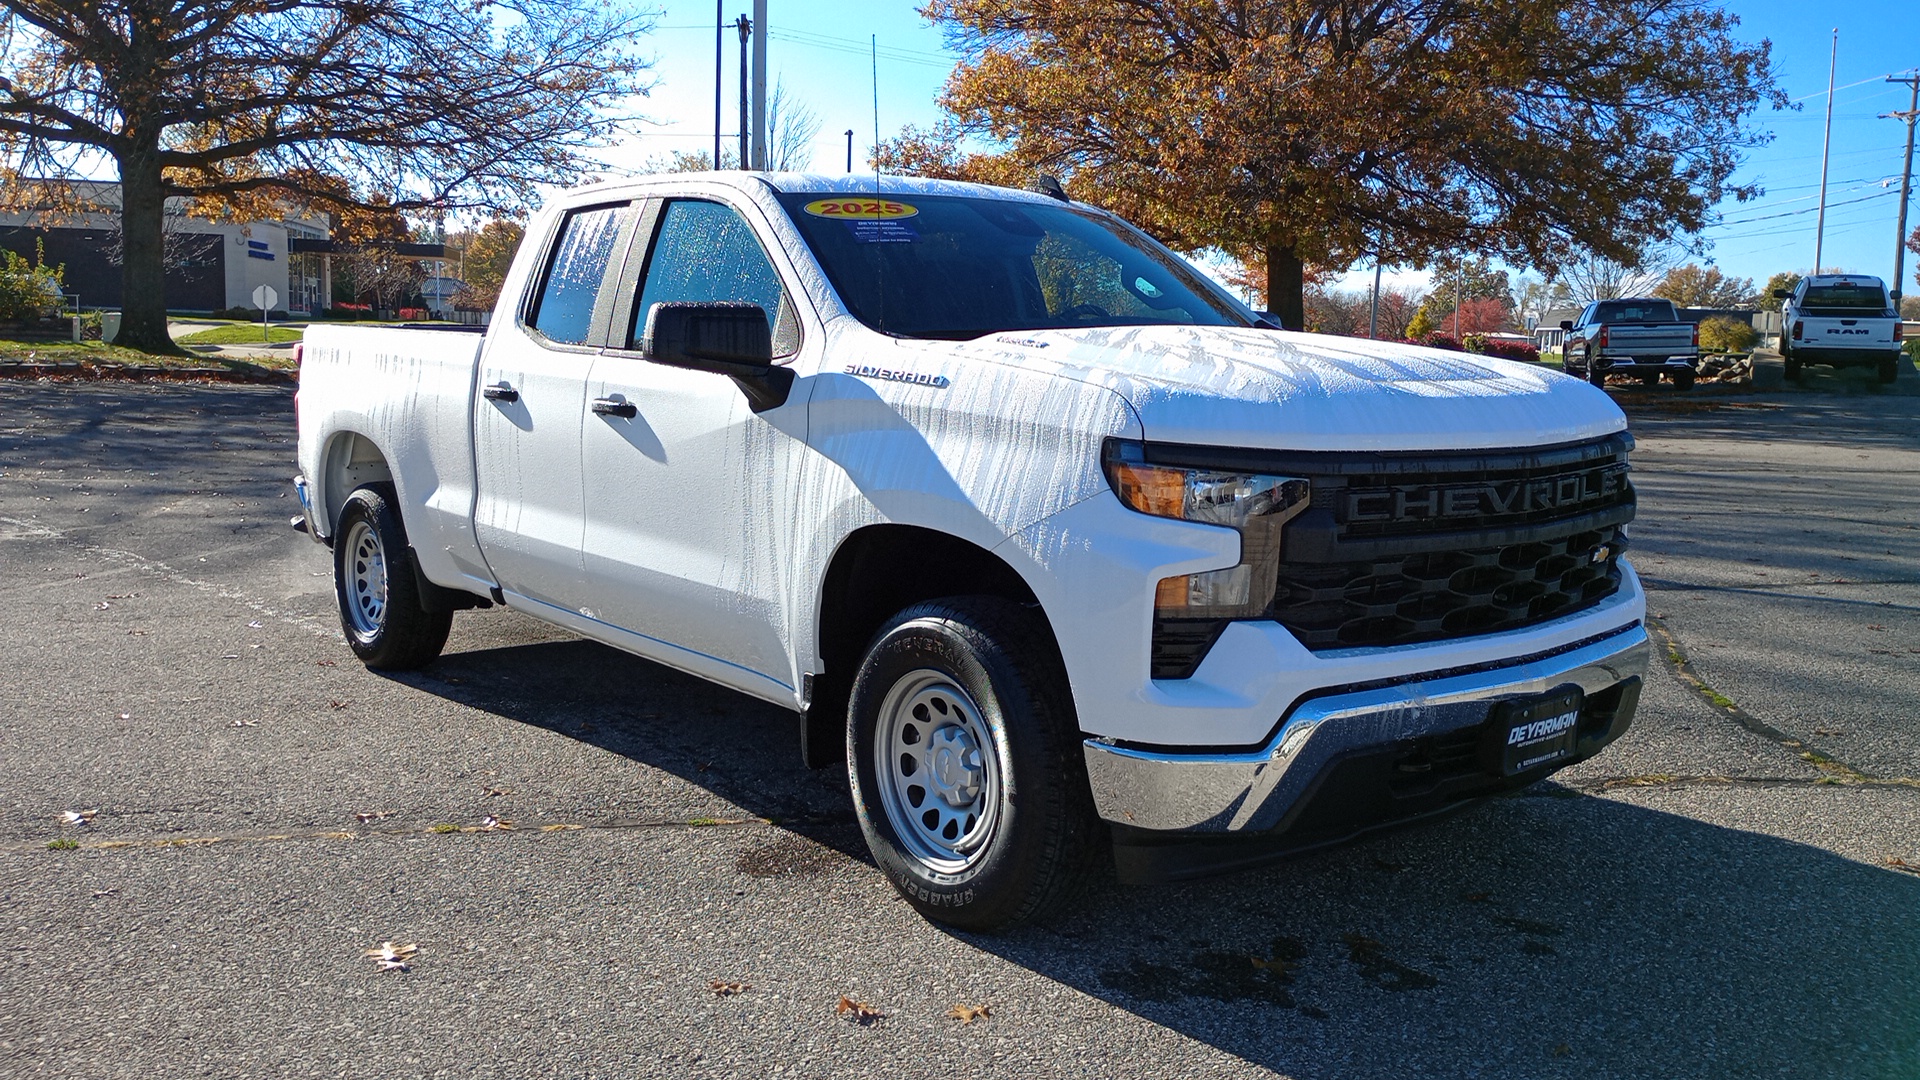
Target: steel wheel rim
x=365, y=580
x=938, y=771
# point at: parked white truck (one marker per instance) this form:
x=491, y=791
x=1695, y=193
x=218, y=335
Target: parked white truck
x=1845, y=320
x=1048, y=538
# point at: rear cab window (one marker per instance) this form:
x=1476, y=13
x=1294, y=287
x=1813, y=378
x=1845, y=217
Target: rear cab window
x=573, y=298
x=1846, y=298
x=1635, y=311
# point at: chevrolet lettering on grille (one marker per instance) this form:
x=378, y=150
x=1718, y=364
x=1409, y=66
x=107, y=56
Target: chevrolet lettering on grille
x=1436, y=502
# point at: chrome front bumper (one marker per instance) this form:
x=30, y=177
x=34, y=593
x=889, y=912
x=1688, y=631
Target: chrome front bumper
x=1251, y=792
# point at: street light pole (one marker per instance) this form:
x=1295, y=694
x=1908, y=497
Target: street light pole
x=719, y=39
x=1373, y=320
x=849, y=149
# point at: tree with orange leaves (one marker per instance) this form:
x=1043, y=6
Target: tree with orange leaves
x=1302, y=132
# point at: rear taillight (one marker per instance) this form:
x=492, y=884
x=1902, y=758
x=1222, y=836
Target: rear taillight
x=1797, y=327
x=1899, y=332
x=1696, y=335
x=299, y=350
x=1603, y=337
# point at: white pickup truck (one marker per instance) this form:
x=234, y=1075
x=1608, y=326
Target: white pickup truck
x=1049, y=539
x=1845, y=320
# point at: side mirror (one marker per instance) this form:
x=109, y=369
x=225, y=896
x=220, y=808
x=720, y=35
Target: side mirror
x=1566, y=324
x=727, y=339
x=1783, y=294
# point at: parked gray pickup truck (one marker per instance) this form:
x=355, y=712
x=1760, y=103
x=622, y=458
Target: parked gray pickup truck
x=1641, y=337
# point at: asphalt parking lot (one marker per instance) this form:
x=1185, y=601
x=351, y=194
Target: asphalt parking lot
x=1730, y=891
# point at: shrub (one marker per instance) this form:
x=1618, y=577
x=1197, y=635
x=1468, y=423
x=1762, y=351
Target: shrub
x=1444, y=341
x=29, y=290
x=1724, y=335
x=1475, y=342
x=1513, y=350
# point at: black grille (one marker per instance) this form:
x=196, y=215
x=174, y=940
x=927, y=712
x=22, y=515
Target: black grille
x=1396, y=549
x=1432, y=595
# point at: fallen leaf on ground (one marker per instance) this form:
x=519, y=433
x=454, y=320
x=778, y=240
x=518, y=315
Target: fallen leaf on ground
x=858, y=1011
x=102, y=606
x=78, y=817
x=136, y=633
x=324, y=663
x=1277, y=965
x=728, y=989
x=967, y=1014
x=100, y=893
x=1897, y=863
x=494, y=824
x=336, y=704
x=256, y=624
x=392, y=957
x=364, y=818
x=246, y=723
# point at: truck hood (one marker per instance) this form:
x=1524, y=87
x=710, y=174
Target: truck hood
x=1275, y=390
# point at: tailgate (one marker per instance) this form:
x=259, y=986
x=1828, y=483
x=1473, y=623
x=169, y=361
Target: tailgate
x=1841, y=333
x=1669, y=339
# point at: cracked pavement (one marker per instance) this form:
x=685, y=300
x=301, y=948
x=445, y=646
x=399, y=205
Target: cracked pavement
x=1710, y=896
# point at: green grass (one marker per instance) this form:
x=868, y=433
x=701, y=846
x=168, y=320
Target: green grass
x=97, y=353
x=241, y=334
x=65, y=843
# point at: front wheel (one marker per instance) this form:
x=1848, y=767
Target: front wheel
x=965, y=762
x=374, y=582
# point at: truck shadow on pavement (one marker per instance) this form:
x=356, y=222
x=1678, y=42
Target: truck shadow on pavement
x=1548, y=933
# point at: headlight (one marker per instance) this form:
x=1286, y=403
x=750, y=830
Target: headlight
x=1257, y=505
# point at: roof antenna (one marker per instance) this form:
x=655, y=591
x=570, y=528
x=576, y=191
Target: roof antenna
x=1049, y=185
x=879, y=252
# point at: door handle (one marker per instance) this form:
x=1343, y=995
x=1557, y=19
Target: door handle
x=502, y=391
x=606, y=406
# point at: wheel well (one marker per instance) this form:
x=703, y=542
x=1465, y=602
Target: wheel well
x=877, y=572
x=350, y=461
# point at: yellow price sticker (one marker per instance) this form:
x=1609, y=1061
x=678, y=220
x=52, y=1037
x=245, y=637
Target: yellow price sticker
x=859, y=209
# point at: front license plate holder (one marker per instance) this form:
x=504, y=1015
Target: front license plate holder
x=1533, y=732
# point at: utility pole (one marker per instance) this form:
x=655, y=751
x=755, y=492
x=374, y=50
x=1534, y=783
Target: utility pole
x=849, y=149
x=745, y=26
x=759, y=85
x=1820, y=225
x=1373, y=320
x=1906, y=182
x=719, y=39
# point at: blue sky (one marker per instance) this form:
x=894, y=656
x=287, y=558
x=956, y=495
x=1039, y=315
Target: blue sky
x=820, y=51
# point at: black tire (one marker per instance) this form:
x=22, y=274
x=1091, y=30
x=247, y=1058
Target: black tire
x=995, y=838
x=1683, y=380
x=375, y=586
x=1596, y=376
x=1649, y=378
x=1793, y=367
x=1889, y=369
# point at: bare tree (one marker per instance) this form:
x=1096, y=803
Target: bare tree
x=791, y=129
x=1590, y=276
x=257, y=104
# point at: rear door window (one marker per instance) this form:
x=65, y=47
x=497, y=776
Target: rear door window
x=572, y=291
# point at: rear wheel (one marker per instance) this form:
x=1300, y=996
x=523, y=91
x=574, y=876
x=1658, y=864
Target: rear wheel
x=374, y=582
x=965, y=761
x=1683, y=380
x=1649, y=378
x=1596, y=376
x=1889, y=369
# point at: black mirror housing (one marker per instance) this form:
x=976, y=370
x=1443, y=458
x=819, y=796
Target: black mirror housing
x=1783, y=294
x=1566, y=324
x=731, y=339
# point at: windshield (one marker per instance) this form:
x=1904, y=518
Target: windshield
x=943, y=266
x=1636, y=311
x=1846, y=297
